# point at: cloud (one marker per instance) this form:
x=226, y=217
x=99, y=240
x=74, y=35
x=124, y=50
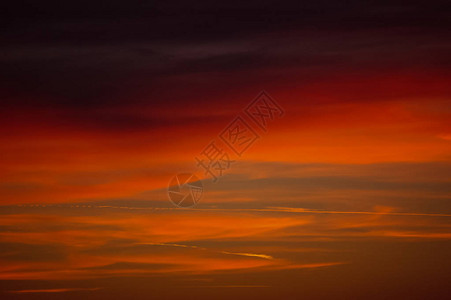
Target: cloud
x=64, y=290
x=249, y=254
x=103, y=103
x=149, y=242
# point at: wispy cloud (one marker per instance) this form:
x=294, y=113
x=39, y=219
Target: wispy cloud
x=61, y=290
x=249, y=254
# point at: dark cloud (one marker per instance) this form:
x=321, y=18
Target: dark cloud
x=84, y=54
x=206, y=19
x=30, y=252
x=132, y=266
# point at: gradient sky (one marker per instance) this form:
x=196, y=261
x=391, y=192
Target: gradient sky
x=347, y=196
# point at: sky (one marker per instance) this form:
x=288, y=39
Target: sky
x=343, y=193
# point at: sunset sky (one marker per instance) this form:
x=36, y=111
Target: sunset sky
x=344, y=195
